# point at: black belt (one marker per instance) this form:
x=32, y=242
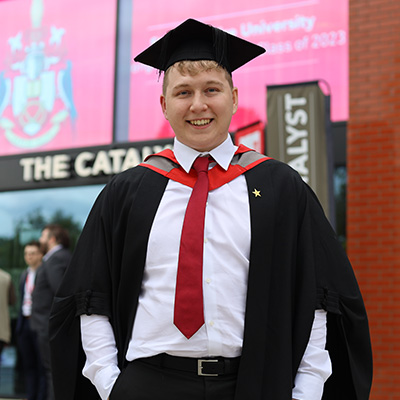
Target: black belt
x=201, y=366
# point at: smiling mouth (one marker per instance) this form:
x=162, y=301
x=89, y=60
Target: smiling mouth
x=200, y=122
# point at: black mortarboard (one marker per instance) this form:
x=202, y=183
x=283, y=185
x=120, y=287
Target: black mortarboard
x=193, y=40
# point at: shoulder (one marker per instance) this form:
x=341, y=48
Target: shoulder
x=132, y=178
x=5, y=277
x=282, y=187
x=121, y=192
x=62, y=254
x=23, y=275
x=277, y=173
x=271, y=164
x=4, y=274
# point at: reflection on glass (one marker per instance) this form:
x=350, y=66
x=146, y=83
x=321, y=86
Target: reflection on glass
x=22, y=217
x=23, y=207
x=340, y=189
x=24, y=213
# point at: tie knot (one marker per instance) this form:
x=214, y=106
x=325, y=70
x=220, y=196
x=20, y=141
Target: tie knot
x=201, y=164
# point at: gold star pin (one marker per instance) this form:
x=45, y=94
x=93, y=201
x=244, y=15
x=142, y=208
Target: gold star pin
x=256, y=193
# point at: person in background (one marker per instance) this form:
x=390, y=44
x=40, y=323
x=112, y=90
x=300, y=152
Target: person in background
x=223, y=281
x=34, y=373
x=54, y=242
x=7, y=299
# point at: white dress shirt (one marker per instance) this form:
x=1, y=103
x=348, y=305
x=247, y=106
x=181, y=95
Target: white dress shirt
x=225, y=270
x=29, y=285
x=52, y=251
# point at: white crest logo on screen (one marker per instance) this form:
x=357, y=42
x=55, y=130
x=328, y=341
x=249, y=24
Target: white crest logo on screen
x=36, y=90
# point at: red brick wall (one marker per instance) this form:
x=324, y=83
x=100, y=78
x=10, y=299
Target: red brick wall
x=373, y=220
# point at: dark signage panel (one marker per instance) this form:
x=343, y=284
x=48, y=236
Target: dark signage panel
x=74, y=167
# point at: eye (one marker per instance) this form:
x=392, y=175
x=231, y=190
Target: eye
x=182, y=93
x=212, y=91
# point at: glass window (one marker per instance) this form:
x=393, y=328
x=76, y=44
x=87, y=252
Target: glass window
x=22, y=216
x=340, y=189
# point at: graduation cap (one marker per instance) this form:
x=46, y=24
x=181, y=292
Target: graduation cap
x=192, y=40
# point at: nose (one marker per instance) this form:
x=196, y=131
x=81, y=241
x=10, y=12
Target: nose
x=198, y=103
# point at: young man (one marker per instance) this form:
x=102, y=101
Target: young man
x=34, y=374
x=227, y=302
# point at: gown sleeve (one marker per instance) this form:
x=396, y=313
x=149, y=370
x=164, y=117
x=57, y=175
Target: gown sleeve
x=348, y=338
x=81, y=292
x=104, y=276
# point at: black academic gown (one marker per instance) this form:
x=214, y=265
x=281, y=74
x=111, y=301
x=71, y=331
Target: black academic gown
x=296, y=266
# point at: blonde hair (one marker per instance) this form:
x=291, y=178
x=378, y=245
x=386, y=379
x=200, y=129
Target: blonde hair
x=193, y=68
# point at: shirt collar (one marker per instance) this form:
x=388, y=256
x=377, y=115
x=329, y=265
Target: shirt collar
x=222, y=154
x=51, y=252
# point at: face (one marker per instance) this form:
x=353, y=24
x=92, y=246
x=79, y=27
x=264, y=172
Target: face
x=199, y=108
x=33, y=256
x=44, y=240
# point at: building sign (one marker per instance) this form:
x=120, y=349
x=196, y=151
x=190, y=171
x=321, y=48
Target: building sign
x=298, y=134
x=83, y=166
x=57, y=61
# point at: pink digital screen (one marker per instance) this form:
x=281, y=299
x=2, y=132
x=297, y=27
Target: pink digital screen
x=56, y=74
x=306, y=40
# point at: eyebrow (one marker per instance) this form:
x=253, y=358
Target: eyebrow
x=214, y=83
x=208, y=83
x=181, y=86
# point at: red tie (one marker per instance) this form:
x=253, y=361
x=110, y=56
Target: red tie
x=188, y=313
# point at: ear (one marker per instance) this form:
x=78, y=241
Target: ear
x=235, y=99
x=163, y=106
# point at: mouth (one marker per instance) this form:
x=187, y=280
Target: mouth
x=200, y=122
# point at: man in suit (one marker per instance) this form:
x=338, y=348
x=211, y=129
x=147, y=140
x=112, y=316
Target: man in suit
x=34, y=373
x=7, y=299
x=54, y=242
x=234, y=306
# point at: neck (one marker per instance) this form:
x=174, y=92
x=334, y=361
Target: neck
x=51, y=246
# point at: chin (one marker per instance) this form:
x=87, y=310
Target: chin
x=202, y=147
x=206, y=145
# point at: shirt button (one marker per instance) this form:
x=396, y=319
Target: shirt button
x=205, y=240
x=211, y=323
x=208, y=280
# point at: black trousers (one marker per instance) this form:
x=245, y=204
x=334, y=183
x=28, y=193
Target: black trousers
x=44, y=349
x=142, y=381
x=34, y=372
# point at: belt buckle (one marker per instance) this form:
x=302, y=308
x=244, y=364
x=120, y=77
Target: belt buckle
x=200, y=367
